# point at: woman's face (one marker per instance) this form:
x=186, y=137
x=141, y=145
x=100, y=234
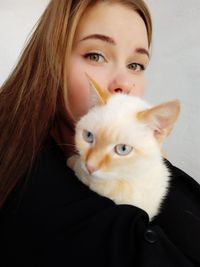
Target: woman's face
x=111, y=46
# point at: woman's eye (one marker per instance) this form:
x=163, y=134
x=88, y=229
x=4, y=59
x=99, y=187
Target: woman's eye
x=136, y=67
x=88, y=136
x=96, y=57
x=123, y=149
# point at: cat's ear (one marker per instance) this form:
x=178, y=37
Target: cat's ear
x=161, y=118
x=98, y=96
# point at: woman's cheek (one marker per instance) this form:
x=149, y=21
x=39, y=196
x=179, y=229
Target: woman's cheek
x=78, y=96
x=79, y=93
x=139, y=86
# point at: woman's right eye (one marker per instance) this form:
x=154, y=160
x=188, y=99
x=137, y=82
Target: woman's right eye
x=96, y=57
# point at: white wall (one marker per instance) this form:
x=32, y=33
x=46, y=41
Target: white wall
x=174, y=71
x=17, y=18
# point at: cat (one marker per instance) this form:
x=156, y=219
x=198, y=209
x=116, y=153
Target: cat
x=119, y=145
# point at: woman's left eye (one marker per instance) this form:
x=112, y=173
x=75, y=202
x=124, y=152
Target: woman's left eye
x=123, y=149
x=136, y=67
x=96, y=57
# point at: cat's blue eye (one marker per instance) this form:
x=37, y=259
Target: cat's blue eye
x=88, y=136
x=123, y=149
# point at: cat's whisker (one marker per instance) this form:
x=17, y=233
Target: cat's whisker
x=64, y=144
x=76, y=151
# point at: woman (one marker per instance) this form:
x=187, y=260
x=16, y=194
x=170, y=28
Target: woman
x=49, y=218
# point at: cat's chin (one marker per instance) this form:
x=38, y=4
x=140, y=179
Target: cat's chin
x=97, y=176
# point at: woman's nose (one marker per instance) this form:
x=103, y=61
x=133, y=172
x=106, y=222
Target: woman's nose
x=121, y=83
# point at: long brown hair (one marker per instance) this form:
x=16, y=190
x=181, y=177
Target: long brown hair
x=32, y=98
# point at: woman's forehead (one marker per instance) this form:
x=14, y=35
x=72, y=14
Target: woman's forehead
x=114, y=20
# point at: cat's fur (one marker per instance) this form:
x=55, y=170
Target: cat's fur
x=139, y=178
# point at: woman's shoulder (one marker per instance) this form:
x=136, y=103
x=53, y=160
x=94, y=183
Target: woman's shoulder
x=180, y=174
x=180, y=213
x=183, y=187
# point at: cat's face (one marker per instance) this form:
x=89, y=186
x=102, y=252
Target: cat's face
x=111, y=139
x=122, y=133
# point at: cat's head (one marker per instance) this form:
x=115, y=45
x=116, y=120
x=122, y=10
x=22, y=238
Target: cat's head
x=122, y=132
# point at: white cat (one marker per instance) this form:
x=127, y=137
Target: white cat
x=119, y=144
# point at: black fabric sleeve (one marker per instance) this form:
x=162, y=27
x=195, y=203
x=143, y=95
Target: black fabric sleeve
x=58, y=221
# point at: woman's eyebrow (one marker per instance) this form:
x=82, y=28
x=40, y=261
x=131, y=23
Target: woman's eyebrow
x=101, y=37
x=142, y=51
x=108, y=39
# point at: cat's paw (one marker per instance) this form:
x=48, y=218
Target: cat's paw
x=71, y=161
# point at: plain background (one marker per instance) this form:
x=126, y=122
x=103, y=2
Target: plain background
x=173, y=72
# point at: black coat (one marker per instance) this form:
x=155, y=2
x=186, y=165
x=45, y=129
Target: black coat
x=57, y=221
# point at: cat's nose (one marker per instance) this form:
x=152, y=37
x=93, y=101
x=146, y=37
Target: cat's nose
x=91, y=168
